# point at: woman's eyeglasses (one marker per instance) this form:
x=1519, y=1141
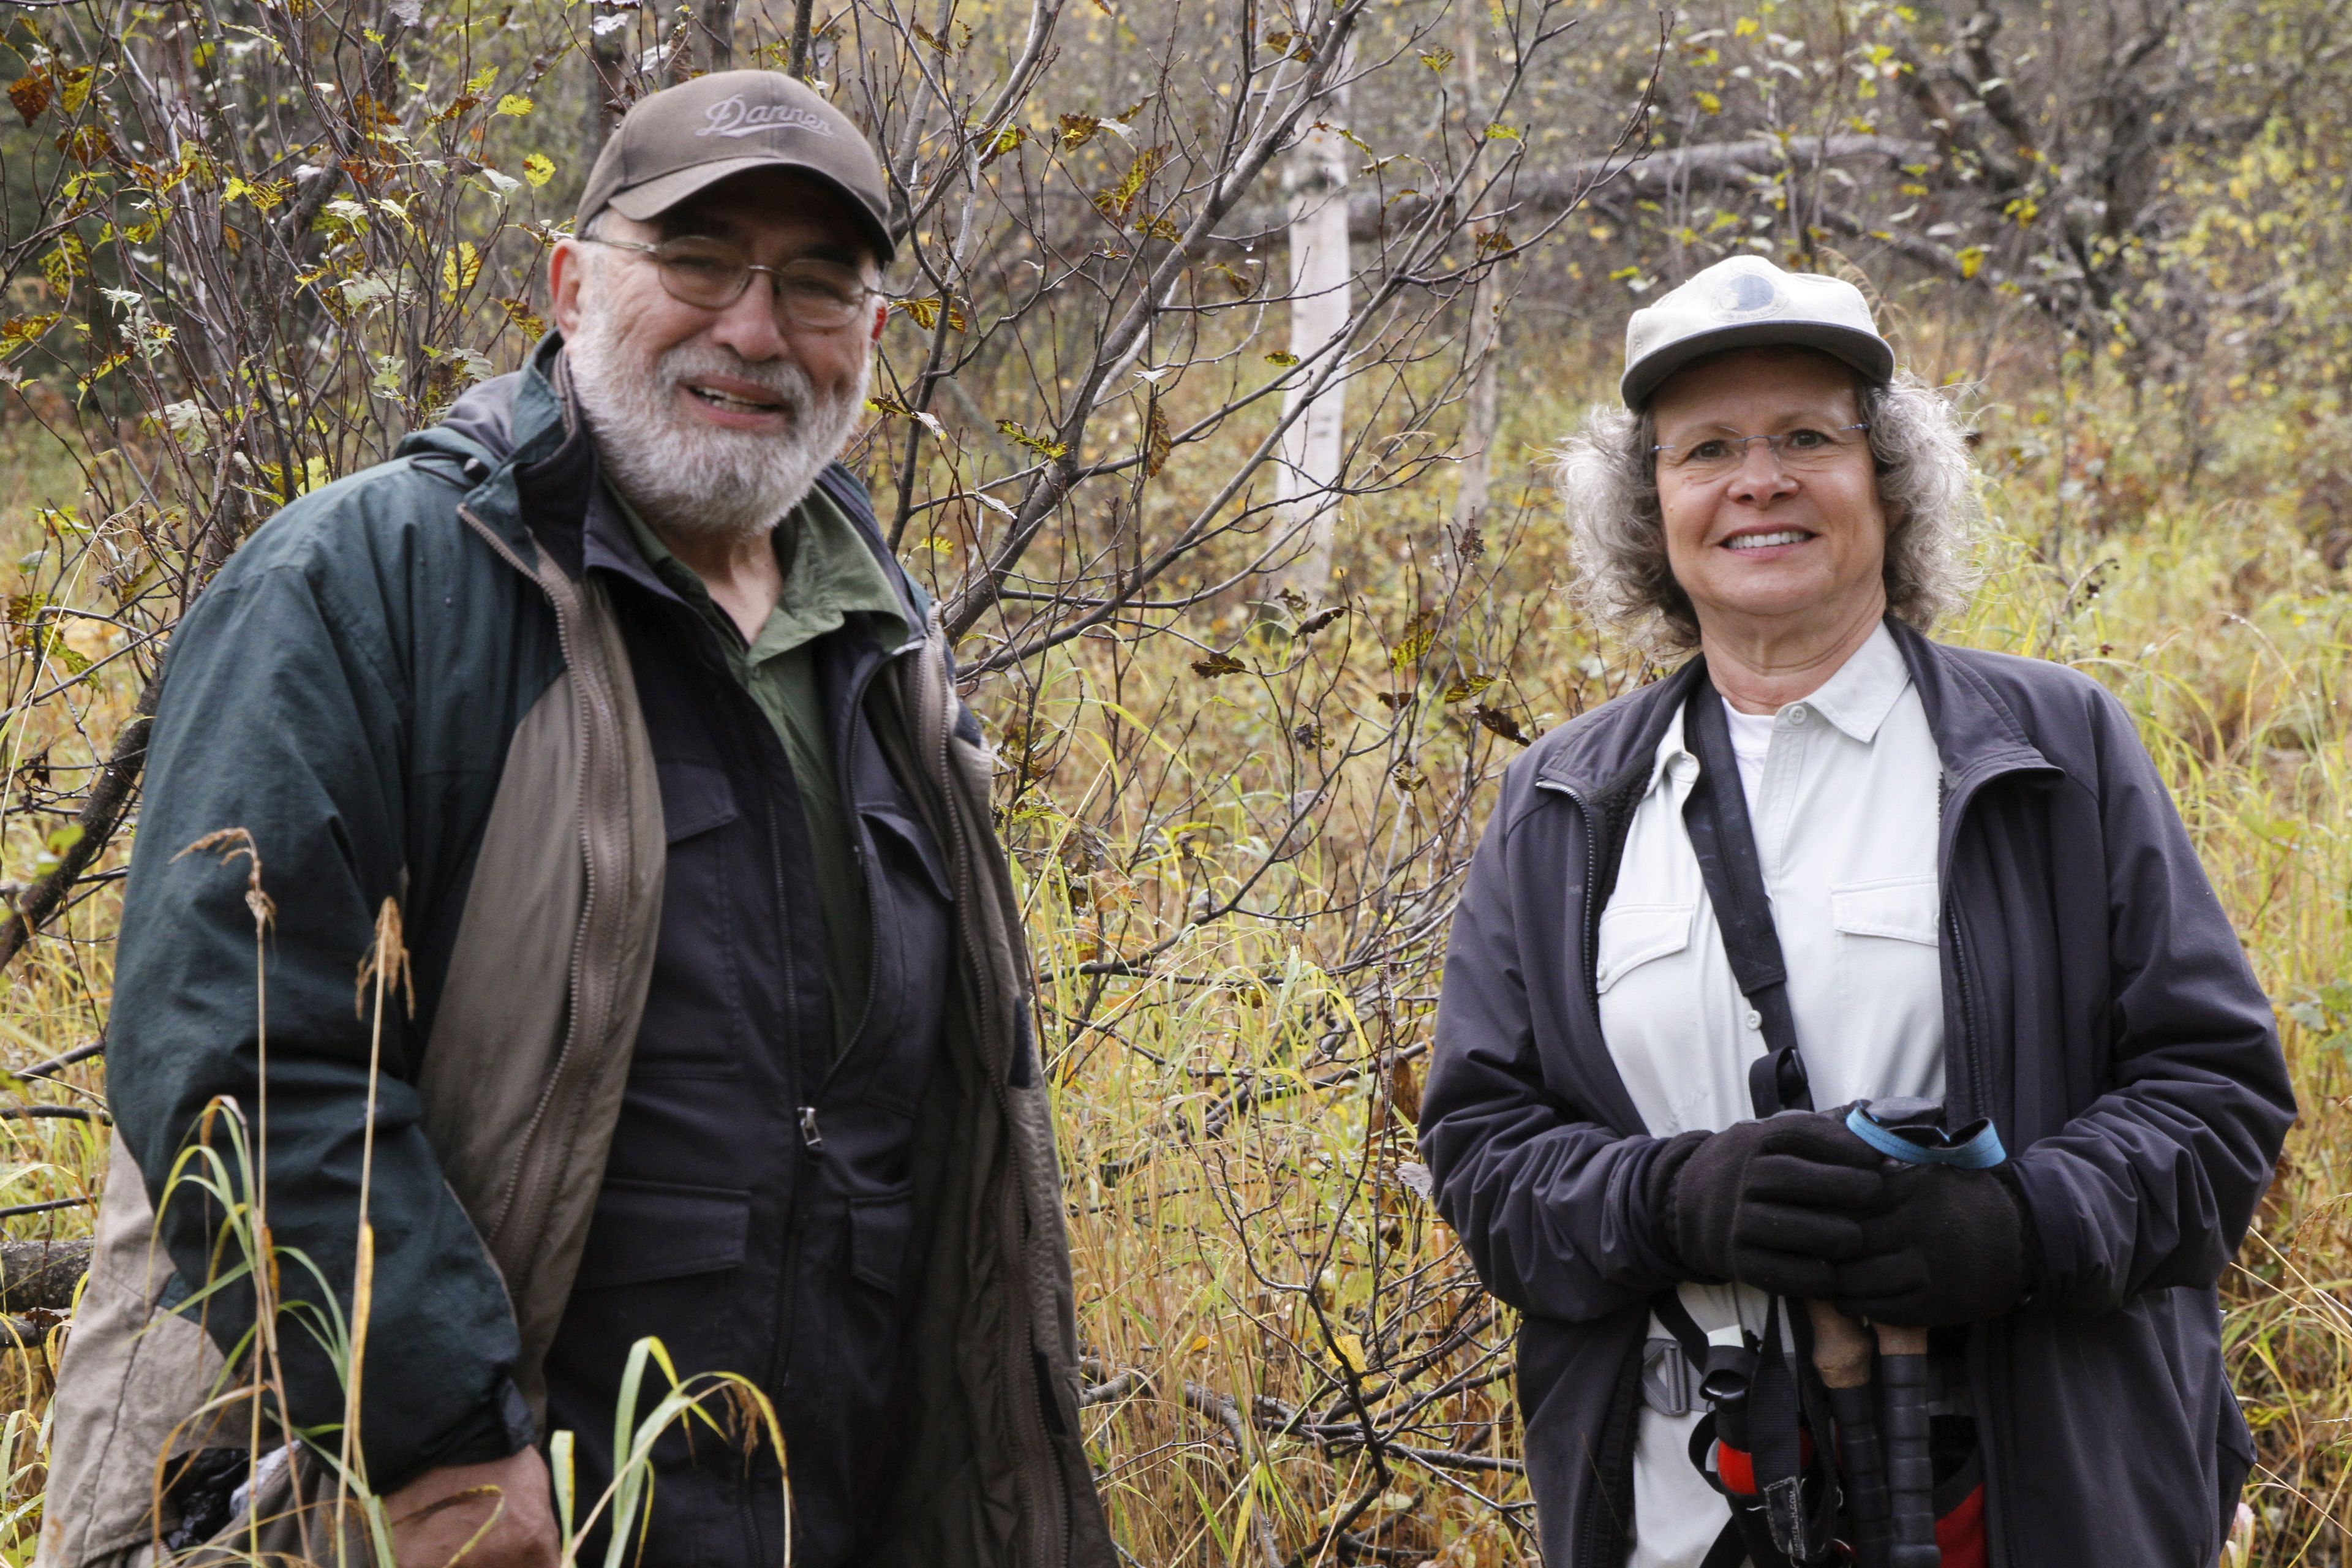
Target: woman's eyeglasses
x=1799, y=451
x=813, y=294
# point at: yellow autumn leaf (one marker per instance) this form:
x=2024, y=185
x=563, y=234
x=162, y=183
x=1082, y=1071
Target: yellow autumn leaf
x=539, y=168
x=1710, y=103
x=459, y=267
x=513, y=103
x=1351, y=1350
x=1971, y=260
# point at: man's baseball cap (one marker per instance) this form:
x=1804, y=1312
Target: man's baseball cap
x=1745, y=303
x=684, y=139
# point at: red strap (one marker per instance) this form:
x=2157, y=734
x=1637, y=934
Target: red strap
x=1737, y=1470
x=1961, y=1534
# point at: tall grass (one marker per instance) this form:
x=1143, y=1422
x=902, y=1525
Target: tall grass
x=1236, y=882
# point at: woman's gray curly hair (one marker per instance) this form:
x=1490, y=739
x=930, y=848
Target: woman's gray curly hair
x=1608, y=477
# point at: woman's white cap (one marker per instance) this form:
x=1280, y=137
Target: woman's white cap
x=1747, y=302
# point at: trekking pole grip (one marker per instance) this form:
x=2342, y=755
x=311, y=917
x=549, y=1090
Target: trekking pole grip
x=1910, y=1471
x=1841, y=1349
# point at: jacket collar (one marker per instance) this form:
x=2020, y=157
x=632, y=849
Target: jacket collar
x=538, y=480
x=1617, y=738
x=1855, y=701
x=1976, y=733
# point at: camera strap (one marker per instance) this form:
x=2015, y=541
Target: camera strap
x=1716, y=816
x=1784, y=1402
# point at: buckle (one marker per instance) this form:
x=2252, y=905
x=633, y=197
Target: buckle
x=1669, y=1382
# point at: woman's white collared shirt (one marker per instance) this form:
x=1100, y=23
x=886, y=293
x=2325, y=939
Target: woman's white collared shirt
x=1844, y=805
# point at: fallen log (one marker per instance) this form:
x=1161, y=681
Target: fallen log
x=41, y=1276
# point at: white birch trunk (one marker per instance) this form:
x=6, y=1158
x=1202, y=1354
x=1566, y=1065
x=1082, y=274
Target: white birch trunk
x=1316, y=181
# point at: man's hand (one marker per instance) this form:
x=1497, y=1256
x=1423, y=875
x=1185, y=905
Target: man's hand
x=435, y=1517
x=1774, y=1203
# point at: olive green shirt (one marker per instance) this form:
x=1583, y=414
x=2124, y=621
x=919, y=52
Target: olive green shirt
x=829, y=576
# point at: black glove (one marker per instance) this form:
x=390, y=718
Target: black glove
x=1950, y=1247
x=1774, y=1203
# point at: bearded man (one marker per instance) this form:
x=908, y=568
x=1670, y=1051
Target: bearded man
x=609, y=689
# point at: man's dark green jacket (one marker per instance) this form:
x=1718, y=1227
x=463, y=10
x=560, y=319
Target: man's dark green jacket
x=403, y=674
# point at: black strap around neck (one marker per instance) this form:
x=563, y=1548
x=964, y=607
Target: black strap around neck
x=1716, y=818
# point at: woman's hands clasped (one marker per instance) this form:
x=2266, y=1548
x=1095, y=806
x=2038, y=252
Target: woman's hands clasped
x=1946, y=1246
x=1797, y=1206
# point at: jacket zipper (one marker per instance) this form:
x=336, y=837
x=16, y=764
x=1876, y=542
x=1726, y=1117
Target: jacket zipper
x=804, y=1116
x=1587, y=933
x=1977, y=1074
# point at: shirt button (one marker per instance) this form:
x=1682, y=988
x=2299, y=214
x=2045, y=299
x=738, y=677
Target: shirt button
x=1754, y=1020
x=1798, y=713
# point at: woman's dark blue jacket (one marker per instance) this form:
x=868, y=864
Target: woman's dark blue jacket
x=2096, y=1005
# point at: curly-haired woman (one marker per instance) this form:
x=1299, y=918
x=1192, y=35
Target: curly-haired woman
x=1949, y=879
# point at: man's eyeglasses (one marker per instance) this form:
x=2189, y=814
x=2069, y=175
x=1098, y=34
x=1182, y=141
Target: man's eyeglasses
x=1799, y=451
x=815, y=295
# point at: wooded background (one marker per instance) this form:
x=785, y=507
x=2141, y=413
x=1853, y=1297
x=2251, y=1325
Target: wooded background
x=1228, y=342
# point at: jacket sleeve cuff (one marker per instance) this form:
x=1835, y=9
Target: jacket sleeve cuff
x=1643, y=1187
x=2033, y=1260
x=2047, y=1267
x=490, y=1431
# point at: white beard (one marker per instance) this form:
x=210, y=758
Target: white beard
x=681, y=473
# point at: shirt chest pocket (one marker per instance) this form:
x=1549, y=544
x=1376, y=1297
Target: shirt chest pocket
x=1901, y=909
x=1632, y=935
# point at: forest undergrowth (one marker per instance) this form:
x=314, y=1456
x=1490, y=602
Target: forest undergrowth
x=1240, y=842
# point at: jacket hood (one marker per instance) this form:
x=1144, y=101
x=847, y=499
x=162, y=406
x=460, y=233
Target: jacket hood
x=482, y=420
x=479, y=427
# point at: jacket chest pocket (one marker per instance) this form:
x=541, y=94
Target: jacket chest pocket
x=1633, y=935
x=694, y=1024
